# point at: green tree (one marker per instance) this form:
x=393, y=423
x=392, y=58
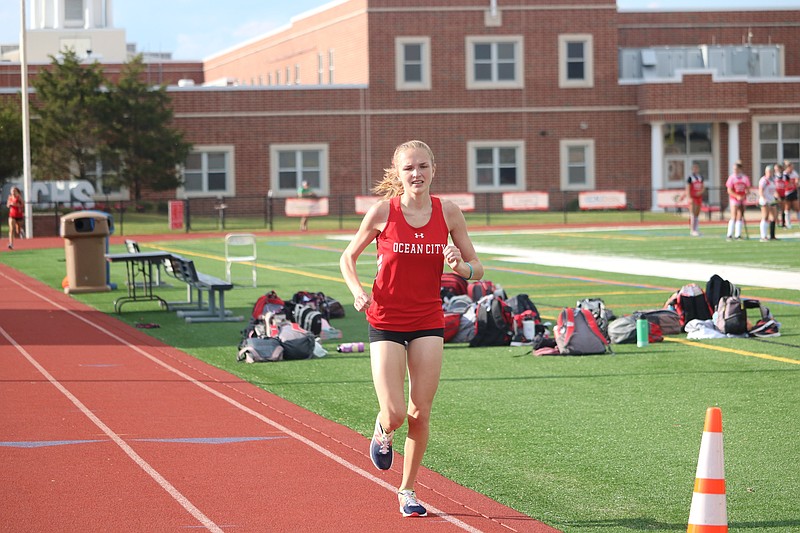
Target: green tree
x=142, y=146
x=68, y=132
x=10, y=140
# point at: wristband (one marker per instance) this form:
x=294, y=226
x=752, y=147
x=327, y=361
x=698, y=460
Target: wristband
x=471, y=271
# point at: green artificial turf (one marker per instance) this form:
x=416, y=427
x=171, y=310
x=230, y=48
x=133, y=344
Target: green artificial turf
x=586, y=444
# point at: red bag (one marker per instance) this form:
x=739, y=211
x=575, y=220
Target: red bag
x=269, y=303
x=452, y=322
x=452, y=284
x=478, y=289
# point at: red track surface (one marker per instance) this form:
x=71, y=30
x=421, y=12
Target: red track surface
x=103, y=428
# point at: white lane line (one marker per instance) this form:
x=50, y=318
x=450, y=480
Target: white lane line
x=348, y=465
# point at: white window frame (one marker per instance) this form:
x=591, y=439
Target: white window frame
x=79, y=22
x=401, y=84
x=472, y=163
x=331, y=68
x=274, y=168
x=519, y=61
x=95, y=176
x=588, y=145
x=230, y=179
x=588, y=60
x=758, y=160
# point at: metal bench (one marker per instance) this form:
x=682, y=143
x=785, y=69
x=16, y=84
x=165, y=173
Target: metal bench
x=214, y=309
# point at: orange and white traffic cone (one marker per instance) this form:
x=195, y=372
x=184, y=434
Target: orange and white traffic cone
x=708, y=513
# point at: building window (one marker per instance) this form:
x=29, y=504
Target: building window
x=291, y=165
x=330, y=66
x=577, y=165
x=288, y=76
x=495, y=62
x=208, y=171
x=686, y=144
x=320, y=69
x=575, y=61
x=778, y=141
x=413, y=63
x=106, y=182
x=73, y=13
x=496, y=166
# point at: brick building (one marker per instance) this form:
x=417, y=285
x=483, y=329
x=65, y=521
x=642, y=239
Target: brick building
x=513, y=95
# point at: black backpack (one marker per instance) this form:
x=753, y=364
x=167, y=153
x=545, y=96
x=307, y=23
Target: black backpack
x=521, y=303
x=717, y=288
x=690, y=303
x=493, y=323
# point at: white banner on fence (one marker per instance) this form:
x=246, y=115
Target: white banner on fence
x=306, y=207
x=363, y=203
x=526, y=201
x=602, y=200
x=671, y=198
x=465, y=201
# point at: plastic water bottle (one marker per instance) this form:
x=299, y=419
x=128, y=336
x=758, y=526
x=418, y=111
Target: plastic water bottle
x=348, y=347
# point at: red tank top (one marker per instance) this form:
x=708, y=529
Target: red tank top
x=405, y=293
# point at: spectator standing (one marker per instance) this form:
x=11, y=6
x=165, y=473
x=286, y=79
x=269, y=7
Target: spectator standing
x=695, y=187
x=304, y=192
x=791, y=203
x=738, y=185
x=768, y=200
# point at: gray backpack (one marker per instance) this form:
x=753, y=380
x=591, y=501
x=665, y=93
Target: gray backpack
x=731, y=316
x=622, y=330
x=577, y=333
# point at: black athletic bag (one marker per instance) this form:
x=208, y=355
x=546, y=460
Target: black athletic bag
x=717, y=288
x=494, y=323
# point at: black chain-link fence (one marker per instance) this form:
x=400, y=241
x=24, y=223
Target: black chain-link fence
x=489, y=209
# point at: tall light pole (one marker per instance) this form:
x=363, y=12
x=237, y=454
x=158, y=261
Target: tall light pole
x=27, y=184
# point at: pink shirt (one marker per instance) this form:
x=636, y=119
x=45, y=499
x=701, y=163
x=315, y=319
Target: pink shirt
x=739, y=184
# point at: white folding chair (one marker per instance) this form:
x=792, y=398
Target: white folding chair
x=240, y=248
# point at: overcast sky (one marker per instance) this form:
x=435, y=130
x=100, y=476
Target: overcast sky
x=195, y=29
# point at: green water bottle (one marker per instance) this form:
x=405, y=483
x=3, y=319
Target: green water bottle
x=642, y=332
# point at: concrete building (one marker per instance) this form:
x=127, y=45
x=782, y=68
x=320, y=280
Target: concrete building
x=560, y=96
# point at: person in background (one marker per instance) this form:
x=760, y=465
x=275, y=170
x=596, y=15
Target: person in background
x=16, y=214
x=695, y=186
x=411, y=229
x=304, y=192
x=790, y=203
x=768, y=201
x=738, y=186
x=780, y=192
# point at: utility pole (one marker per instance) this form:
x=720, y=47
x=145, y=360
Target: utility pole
x=27, y=184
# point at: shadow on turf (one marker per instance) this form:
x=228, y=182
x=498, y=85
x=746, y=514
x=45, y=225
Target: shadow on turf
x=647, y=524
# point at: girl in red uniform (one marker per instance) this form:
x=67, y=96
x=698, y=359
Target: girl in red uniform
x=15, y=215
x=695, y=186
x=791, y=202
x=404, y=310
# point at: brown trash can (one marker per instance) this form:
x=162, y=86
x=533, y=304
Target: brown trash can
x=85, y=235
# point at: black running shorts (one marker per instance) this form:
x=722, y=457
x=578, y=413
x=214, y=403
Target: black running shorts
x=402, y=337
